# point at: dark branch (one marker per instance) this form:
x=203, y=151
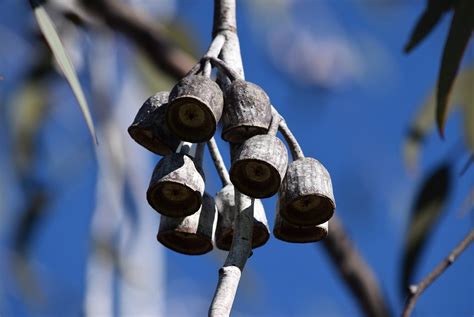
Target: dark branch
x=355, y=271
x=143, y=33
x=417, y=290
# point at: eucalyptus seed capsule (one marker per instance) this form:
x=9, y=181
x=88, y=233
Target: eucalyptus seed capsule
x=226, y=217
x=259, y=166
x=190, y=235
x=150, y=130
x=306, y=193
x=195, y=108
x=176, y=186
x=288, y=232
x=247, y=111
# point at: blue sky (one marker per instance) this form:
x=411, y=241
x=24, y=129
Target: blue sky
x=352, y=113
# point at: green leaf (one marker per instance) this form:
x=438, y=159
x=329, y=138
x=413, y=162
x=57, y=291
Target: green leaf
x=462, y=94
x=468, y=108
x=460, y=32
x=428, y=207
x=427, y=21
x=54, y=42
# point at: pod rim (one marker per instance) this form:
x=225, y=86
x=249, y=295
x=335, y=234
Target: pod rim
x=191, y=134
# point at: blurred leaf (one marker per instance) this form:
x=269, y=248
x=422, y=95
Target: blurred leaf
x=460, y=32
x=109, y=253
x=152, y=77
x=462, y=93
x=30, y=107
x=54, y=42
x=468, y=203
x=468, y=108
x=427, y=21
x=34, y=211
x=184, y=36
x=28, y=280
x=428, y=207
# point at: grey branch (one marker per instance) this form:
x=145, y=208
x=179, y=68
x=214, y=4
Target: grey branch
x=417, y=290
x=355, y=271
x=218, y=161
x=241, y=248
x=295, y=148
x=143, y=33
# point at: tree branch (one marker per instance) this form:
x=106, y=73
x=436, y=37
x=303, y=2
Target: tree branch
x=143, y=33
x=355, y=271
x=218, y=162
x=241, y=248
x=417, y=290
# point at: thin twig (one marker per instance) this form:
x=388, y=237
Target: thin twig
x=199, y=156
x=417, y=290
x=355, y=271
x=213, y=51
x=295, y=148
x=218, y=162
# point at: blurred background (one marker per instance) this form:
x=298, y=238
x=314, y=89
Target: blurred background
x=77, y=236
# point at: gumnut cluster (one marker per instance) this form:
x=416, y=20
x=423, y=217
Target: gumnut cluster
x=178, y=124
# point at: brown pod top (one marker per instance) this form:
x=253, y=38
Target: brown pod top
x=288, y=232
x=247, y=111
x=227, y=213
x=306, y=193
x=149, y=128
x=195, y=108
x=176, y=186
x=190, y=235
x=259, y=166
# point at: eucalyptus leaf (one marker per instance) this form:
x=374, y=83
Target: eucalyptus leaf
x=427, y=21
x=460, y=32
x=462, y=94
x=427, y=209
x=468, y=117
x=52, y=38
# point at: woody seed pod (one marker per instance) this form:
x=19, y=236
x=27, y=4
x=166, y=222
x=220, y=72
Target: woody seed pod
x=176, y=186
x=288, y=232
x=195, y=108
x=149, y=128
x=227, y=213
x=259, y=166
x=190, y=235
x=247, y=111
x=306, y=193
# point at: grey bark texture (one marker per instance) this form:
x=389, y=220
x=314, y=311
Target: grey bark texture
x=225, y=202
x=195, y=108
x=149, y=128
x=259, y=166
x=247, y=111
x=192, y=235
x=306, y=193
x=229, y=274
x=176, y=186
